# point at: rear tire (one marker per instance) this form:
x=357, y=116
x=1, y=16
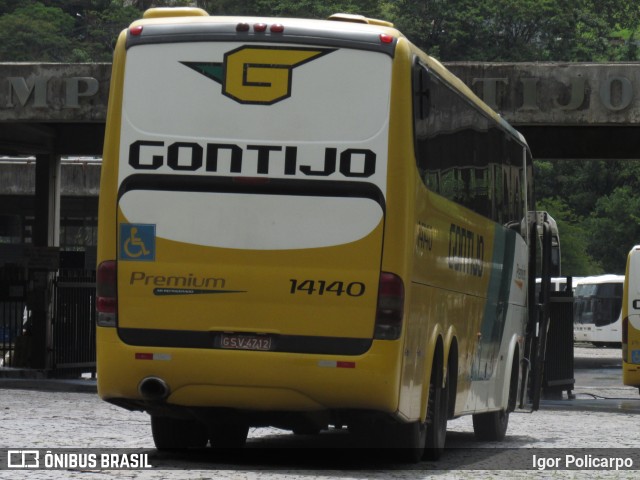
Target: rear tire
x=408, y=441
x=176, y=433
x=437, y=414
x=491, y=426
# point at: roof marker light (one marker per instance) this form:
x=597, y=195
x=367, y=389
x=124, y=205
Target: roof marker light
x=384, y=38
x=277, y=28
x=260, y=27
x=242, y=27
x=136, y=30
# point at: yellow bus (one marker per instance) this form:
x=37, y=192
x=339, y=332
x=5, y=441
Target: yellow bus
x=631, y=320
x=309, y=224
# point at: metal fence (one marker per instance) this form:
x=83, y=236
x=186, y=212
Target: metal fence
x=12, y=315
x=73, y=323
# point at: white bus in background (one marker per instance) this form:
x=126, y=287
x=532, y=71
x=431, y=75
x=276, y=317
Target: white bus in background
x=559, y=284
x=597, y=310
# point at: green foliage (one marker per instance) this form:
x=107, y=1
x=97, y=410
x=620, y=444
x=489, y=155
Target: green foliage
x=518, y=30
x=598, y=213
x=34, y=32
x=62, y=30
x=574, y=239
x=481, y=30
x=615, y=228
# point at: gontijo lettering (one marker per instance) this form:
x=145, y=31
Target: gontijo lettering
x=466, y=251
x=274, y=159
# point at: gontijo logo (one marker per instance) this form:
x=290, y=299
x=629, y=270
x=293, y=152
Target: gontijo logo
x=258, y=75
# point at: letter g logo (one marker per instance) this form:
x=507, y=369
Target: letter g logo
x=258, y=75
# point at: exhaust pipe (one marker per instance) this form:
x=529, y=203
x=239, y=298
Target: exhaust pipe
x=154, y=389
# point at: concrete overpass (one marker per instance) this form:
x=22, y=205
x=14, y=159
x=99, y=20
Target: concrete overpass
x=571, y=110
x=565, y=110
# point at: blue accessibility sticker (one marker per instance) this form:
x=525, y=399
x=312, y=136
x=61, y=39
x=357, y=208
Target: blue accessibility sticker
x=137, y=242
x=635, y=356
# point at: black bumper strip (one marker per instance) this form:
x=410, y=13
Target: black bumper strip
x=144, y=337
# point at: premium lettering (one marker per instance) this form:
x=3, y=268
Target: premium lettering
x=176, y=281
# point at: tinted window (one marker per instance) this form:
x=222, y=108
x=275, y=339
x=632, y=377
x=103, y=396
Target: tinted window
x=462, y=154
x=599, y=304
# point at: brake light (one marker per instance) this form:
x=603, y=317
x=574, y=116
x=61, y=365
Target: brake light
x=106, y=294
x=390, y=310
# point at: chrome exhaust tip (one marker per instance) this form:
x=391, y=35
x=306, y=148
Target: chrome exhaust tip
x=153, y=388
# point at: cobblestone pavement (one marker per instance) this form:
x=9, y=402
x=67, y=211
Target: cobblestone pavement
x=59, y=419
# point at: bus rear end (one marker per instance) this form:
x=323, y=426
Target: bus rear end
x=631, y=321
x=242, y=218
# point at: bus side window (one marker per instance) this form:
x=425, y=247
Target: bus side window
x=421, y=92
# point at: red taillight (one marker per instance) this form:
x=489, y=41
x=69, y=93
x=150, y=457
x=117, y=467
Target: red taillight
x=390, y=309
x=260, y=27
x=242, y=27
x=107, y=296
x=137, y=30
x=384, y=38
x=106, y=305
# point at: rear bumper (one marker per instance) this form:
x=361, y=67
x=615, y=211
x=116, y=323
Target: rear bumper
x=251, y=380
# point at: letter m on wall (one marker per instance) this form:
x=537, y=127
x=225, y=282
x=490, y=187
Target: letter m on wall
x=21, y=89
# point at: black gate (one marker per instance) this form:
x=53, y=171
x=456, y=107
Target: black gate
x=559, y=362
x=12, y=317
x=73, y=323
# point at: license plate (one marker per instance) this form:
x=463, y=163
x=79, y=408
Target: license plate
x=235, y=341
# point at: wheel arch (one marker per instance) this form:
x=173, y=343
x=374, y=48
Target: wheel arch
x=510, y=364
x=433, y=359
x=452, y=366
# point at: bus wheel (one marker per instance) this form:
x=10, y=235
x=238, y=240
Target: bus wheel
x=173, y=433
x=406, y=440
x=491, y=426
x=437, y=413
x=228, y=435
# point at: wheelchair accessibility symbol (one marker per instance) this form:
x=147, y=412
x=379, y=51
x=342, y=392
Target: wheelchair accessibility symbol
x=137, y=242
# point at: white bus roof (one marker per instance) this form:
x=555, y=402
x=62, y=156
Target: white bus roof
x=608, y=278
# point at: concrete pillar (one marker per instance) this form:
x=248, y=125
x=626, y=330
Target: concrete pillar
x=46, y=229
x=46, y=233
